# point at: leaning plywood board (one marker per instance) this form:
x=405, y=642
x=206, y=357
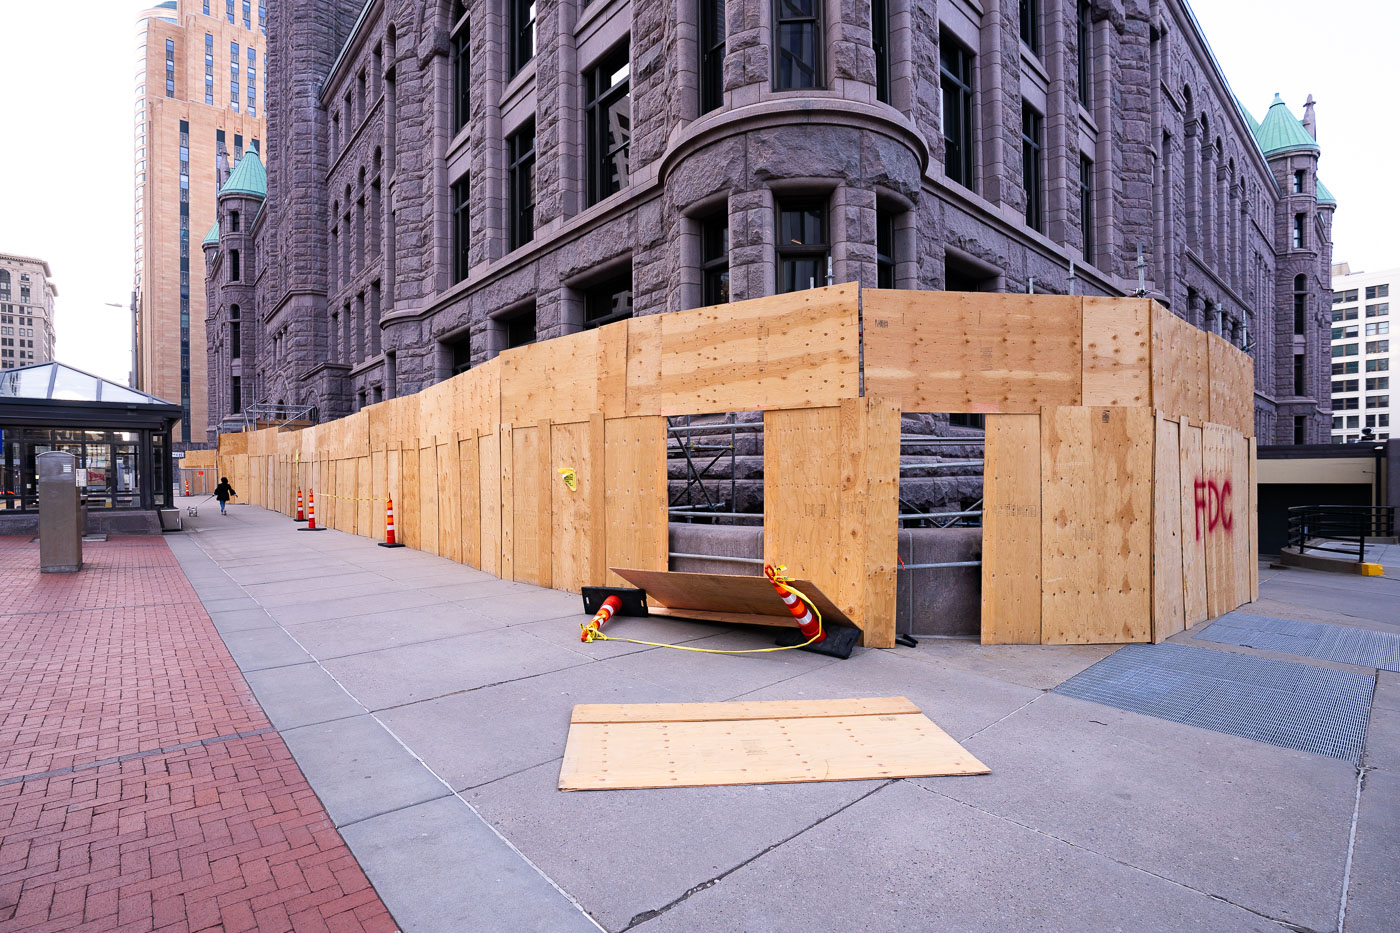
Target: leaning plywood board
x=1011, y=531
x=635, y=477
x=668, y=745
x=972, y=351
x=1168, y=601
x=696, y=594
x=1096, y=529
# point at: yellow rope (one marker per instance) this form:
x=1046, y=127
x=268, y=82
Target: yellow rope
x=591, y=631
x=326, y=495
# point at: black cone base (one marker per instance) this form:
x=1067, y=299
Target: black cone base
x=298, y=519
x=387, y=544
x=322, y=528
x=839, y=641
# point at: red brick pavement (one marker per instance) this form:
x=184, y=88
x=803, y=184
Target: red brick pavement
x=141, y=787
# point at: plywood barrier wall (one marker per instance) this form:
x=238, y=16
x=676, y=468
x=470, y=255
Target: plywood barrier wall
x=1080, y=393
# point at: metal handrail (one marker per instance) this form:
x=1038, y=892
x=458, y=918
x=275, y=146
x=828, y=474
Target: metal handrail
x=1317, y=527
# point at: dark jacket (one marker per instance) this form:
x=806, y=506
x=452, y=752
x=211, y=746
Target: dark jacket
x=223, y=492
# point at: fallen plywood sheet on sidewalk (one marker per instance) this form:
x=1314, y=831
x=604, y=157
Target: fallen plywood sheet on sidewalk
x=635, y=746
x=723, y=597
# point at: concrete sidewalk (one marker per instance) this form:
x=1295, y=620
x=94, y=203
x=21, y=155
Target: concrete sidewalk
x=428, y=705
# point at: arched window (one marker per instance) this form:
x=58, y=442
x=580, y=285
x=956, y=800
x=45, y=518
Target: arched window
x=1300, y=304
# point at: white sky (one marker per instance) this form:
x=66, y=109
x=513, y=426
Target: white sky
x=68, y=72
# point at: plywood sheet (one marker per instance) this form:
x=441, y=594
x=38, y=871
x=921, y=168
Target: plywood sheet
x=507, y=502
x=479, y=399
x=799, y=350
x=469, y=472
x=1231, y=386
x=1168, y=601
x=1241, y=541
x=761, y=709
x=642, y=395
x=576, y=563
x=1096, y=530
x=802, y=493
x=1011, y=531
x=635, y=477
x=1218, y=504
x=530, y=507
x=1193, y=525
x=723, y=592
x=633, y=754
x=555, y=379
x=1117, y=351
x=449, y=489
x=428, y=499
x=972, y=351
x=489, y=501
x=408, y=525
x=869, y=541
x=1180, y=373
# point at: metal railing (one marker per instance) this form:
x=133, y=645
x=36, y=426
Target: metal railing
x=266, y=414
x=1340, y=529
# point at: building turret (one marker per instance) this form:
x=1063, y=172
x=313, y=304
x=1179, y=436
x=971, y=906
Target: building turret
x=232, y=325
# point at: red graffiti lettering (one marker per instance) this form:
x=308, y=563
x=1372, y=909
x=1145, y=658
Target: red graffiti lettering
x=1213, y=501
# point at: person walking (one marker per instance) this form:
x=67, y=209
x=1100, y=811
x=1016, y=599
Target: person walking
x=223, y=492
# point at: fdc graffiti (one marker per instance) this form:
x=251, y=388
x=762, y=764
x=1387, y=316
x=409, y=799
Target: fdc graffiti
x=1213, y=501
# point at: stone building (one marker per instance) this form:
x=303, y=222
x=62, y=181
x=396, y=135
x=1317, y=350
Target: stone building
x=447, y=179
x=200, y=89
x=27, y=292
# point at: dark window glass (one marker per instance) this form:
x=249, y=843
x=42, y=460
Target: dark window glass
x=1300, y=314
x=1299, y=237
x=1300, y=374
x=1030, y=24
x=797, y=49
x=1086, y=55
x=235, y=395
x=1086, y=205
x=955, y=83
x=235, y=340
x=1032, y=134
x=1372, y=291
x=522, y=31
x=714, y=258
x=880, y=42
x=461, y=229
x=1299, y=177
x=520, y=329
x=608, y=301
x=461, y=353
x=233, y=270
x=233, y=221
x=711, y=54
x=608, y=112
x=967, y=421
x=521, y=146
x=884, y=248
x=802, y=248
x=461, y=76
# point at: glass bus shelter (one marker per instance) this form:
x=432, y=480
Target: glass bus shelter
x=119, y=437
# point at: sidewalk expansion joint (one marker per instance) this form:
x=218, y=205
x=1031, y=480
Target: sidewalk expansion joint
x=647, y=915
x=1285, y=924
x=164, y=750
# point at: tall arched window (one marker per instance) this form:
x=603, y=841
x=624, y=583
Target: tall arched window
x=1300, y=304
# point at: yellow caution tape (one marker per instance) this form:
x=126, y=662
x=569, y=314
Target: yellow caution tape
x=570, y=478
x=591, y=632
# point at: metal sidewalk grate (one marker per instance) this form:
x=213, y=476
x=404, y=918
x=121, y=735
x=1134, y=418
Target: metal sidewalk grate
x=1340, y=643
x=1290, y=705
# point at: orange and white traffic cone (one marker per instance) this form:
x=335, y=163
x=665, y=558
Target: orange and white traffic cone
x=389, y=540
x=811, y=628
x=605, y=612
x=301, y=512
x=187, y=488
x=311, y=512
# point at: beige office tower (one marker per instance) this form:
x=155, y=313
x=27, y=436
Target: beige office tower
x=26, y=311
x=200, y=84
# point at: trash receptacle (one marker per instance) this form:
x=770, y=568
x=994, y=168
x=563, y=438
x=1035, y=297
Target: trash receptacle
x=60, y=531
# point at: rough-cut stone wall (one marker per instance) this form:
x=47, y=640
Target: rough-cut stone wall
x=1204, y=203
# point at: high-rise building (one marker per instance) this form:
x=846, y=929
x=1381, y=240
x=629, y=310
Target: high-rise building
x=26, y=311
x=449, y=179
x=1361, y=355
x=201, y=83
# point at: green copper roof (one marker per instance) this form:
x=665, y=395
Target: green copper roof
x=1282, y=132
x=1323, y=195
x=212, y=237
x=1248, y=117
x=247, y=177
